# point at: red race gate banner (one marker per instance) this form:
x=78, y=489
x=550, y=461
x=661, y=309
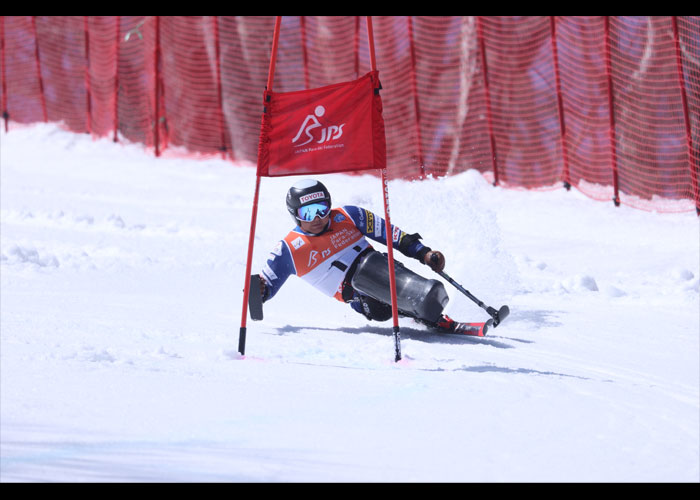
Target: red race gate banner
x=337, y=128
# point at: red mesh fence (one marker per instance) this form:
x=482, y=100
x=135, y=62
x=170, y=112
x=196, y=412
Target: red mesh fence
x=608, y=105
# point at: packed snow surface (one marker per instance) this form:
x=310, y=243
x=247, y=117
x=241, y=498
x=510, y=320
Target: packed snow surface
x=122, y=278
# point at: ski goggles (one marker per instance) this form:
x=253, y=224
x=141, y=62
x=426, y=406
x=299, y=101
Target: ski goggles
x=307, y=213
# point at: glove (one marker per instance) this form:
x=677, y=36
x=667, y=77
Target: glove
x=435, y=260
x=263, y=288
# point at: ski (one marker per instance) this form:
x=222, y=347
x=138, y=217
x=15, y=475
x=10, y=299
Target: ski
x=450, y=327
x=473, y=329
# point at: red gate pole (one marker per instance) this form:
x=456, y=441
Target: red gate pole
x=611, y=110
x=389, y=237
x=254, y=214
x=688, y=134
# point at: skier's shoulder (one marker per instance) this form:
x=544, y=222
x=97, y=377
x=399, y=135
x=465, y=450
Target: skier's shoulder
x=358, y=214
x=281, y=249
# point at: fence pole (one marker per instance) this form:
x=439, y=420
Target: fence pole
x=356, y=44
x=5, y=114
x=219, y=88
x=416, y=104
x=88, y=99
x=304, y=54
x=688, y=133
x=487, y=95
x=156, y=78
x=117, y=23
x=38, y=70
x=560, y=105
x=611, y=113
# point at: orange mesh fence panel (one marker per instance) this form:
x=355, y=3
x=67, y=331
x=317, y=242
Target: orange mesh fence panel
x=135, y=109
x=392, y=47
x=102, y=48
x=245, y=56
x=651, y=148
x=608, y=105
x=22, y=93
x=329, y=50
x=688, y=55
x=192, y=92
x=445, y=89
x=523, y=100
x=580, y=49
x=63, y=58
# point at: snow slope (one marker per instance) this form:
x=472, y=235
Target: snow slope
x=121, y=289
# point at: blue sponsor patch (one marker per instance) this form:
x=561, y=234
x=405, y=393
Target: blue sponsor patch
x=339, y=218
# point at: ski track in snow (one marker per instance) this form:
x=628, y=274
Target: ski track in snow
x=122, y=281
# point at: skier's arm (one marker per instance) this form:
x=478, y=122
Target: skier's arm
x=277, y=269
x=426, y=255
x=410, y=245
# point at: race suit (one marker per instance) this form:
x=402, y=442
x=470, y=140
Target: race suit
x=323, y=260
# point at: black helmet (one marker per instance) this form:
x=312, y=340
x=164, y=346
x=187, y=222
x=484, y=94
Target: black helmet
x=303, y=193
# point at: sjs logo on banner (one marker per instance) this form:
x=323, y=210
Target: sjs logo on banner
x=305, y=136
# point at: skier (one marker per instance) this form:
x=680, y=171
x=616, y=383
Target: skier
x=329, y=249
